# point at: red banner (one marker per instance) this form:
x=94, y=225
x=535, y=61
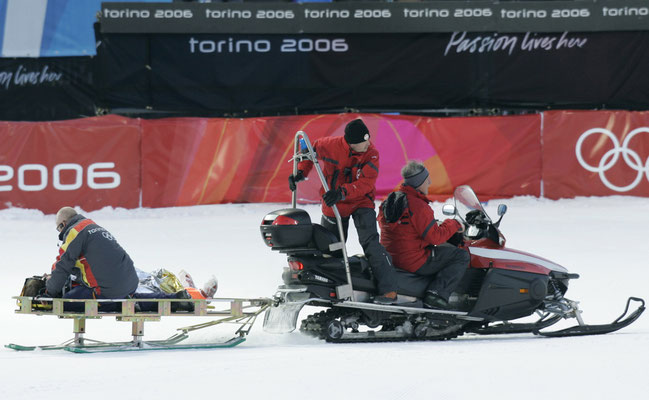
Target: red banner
x=207, y=161
x=595, y=153
x=109, y=161
x=90, y=163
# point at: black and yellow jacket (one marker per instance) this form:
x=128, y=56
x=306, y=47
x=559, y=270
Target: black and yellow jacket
x=93, y=255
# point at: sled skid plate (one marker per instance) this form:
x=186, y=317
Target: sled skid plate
x=583, y=330
x=242, y=312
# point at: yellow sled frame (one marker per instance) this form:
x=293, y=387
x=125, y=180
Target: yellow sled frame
x=242, y=312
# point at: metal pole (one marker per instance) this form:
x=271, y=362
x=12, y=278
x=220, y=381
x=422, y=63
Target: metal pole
x=295, y=161
x=344, y=292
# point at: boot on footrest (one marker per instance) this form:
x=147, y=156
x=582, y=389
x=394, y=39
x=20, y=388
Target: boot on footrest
x=386, y=299
x=433, y=300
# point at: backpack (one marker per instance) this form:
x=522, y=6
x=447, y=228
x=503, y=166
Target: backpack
x=394, y=206
x=34, y=286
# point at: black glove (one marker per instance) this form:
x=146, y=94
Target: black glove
x=294, y=179
x=333, y=196
x=456, y=240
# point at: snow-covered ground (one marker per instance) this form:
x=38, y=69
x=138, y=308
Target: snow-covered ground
x=602, y=239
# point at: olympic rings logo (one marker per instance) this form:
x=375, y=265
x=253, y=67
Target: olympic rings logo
x=631, y=158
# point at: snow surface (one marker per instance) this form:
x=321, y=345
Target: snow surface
x=602, y=239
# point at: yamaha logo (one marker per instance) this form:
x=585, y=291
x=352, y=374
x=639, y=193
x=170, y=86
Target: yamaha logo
x=629, y=156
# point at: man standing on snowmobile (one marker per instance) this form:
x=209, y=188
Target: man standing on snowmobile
x=411, y=234
x=350, y=165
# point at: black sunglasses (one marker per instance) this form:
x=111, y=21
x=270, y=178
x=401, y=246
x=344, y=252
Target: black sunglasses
x=60, y=227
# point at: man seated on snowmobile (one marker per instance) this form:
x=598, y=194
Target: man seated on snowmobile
x=350, y=165
x=411, y=234
x=91, y=263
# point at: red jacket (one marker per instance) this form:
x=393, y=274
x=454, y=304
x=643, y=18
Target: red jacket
x=355, y=172
x=408, y=240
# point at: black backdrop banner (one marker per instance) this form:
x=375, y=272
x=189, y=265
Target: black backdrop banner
x=260, y=74
x=376, y=17
x=41, y=89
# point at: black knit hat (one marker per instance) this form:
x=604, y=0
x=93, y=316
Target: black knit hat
x=356, y=132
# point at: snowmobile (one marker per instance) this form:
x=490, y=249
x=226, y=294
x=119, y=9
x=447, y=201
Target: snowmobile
x=500, y=285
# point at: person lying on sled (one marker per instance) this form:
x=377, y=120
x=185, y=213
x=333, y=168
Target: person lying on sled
x=415, y=240
x=92, y=265
x=162, y=281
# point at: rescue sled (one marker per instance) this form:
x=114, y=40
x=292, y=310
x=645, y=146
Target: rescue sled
x=238, y=311
x=501, y=284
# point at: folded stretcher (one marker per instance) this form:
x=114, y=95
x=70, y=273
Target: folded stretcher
x=242, y=312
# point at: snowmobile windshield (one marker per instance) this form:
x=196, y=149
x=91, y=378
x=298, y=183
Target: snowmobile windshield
x=466, y=201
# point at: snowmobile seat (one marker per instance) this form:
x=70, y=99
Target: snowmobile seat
x=322, y=238
x=409, y=284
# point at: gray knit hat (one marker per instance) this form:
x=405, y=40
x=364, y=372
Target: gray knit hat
x=414, y=174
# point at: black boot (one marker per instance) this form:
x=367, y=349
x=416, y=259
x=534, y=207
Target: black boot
x=433, y=300
x=182, y=305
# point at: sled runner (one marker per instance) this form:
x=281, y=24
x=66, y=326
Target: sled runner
x=500, y=285
x=241, y=312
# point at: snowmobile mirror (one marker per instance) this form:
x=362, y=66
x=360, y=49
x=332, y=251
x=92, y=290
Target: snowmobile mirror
x=449, y=209
x=502, y=209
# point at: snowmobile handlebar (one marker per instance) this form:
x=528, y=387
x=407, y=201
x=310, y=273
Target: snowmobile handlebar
x=303, y=150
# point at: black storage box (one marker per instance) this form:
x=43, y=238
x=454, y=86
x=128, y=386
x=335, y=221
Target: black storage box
x=288, y=227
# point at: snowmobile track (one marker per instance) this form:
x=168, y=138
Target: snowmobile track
x=319, y=325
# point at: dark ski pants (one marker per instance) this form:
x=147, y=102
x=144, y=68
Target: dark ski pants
x=447, y=264
x=151, y=306
x=84, y=292
x=368, y=236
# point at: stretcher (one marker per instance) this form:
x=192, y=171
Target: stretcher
x=238, y=311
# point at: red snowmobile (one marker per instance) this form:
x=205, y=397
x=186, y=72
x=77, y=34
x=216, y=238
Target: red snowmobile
x=501, y=285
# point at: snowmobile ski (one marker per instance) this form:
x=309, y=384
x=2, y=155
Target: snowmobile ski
x=512, y=328
x=583, y=330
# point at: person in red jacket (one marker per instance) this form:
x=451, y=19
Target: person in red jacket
x=350, y=165
x=415, y=239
